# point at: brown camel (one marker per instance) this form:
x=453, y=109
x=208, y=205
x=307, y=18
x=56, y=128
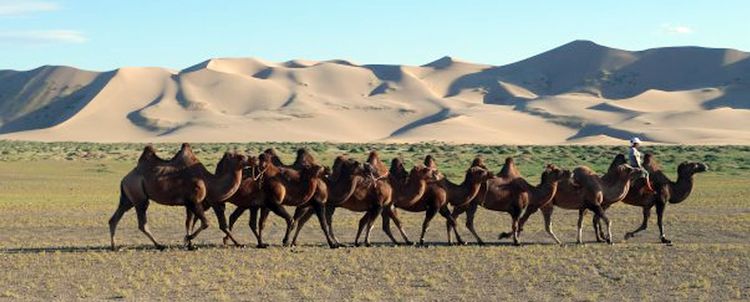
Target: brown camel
x=289, y=187
x=251, y=195
x=461, y=195
x=433, y=201
x=367, y=191
x=667, y=191
x=585, y=190
x=180, y=181
x=513, y=196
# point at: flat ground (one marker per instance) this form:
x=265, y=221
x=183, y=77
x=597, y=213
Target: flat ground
x=55, y=201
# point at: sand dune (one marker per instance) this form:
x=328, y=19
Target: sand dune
x=578, y=93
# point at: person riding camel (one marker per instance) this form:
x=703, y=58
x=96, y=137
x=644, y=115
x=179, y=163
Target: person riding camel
x=636, y=160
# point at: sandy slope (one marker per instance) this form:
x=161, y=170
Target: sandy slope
x=580, y=92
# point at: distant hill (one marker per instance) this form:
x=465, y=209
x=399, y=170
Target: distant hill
x=580, y=92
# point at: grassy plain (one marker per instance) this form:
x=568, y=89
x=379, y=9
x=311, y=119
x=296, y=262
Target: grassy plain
x=55, y=200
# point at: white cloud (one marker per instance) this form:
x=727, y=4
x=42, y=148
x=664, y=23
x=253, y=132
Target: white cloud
x=42, y=36
x=676, y=29
x=16, y=8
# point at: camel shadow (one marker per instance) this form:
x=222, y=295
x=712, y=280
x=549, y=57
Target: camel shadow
x=107, y=248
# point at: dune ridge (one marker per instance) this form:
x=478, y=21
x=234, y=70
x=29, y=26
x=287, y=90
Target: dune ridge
x=578, y=93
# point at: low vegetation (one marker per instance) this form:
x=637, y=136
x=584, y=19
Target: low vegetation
x=55, y=199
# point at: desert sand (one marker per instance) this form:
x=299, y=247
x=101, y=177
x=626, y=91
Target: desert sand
x=578, y=93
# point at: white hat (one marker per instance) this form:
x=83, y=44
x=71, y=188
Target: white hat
x=635, y=140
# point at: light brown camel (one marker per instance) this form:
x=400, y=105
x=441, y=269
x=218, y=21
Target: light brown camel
x=367, y=191
x=461, y=195
x=500, y=194
x=433, y=201
x=586, y=190
x=667, y=191
x=181, y=181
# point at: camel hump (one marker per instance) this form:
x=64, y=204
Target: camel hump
x=586, y=178
x=509, y=169
x=304, y=158
x=478, y=162
x=650, y=163
x=430, y=162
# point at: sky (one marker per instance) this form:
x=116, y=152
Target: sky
x=105, y=35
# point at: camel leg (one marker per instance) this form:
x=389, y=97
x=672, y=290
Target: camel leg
x=598, y=231
x=579, y=229
x=320, y=211
x=526, y=214
x=371, y=222
x=660, y=207
x=515, y=215
x=278, y=209
x=387, y=224
x=431, y=212
x=262, y=225
x=123, y=207
x=644, y=224
x=470, y=214
x=140, y=210
x=547, y=214
x=330, y=210
x=392, y=214
x=222, y=220
x=457, y=211
x=301, y=216
x=445, y=212
x=599, y=211
x=197, y=210
x=232, y=219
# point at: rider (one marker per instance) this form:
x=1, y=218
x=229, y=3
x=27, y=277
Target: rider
x=636, y=160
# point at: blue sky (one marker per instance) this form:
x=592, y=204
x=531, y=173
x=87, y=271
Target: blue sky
x=103, y=35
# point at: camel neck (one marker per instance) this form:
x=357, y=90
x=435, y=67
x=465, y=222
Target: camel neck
x=224, y=185
x=459, y=194
x=342, y=188
x=543, y=192
x=681, y=189
x=411, y=191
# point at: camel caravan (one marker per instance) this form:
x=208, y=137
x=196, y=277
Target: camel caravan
x=263, y=184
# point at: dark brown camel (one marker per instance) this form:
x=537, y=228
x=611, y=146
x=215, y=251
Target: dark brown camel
x=367, y=191
x=667, y=191
x=585, y=190
x=251, y=195
x=513, y=197
x=433, y=201
x=461, y=195
x=289, y=187
x=181, y=181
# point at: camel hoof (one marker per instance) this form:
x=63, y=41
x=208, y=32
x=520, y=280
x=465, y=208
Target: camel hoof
x=481, y=243
x=666, y=241
x=161, y=247
x=192, y=247
x=367, y=244
x=516, y=243
x=334, y=246
x=262, y=245
x=503, y=235
x=629, y=235
x=225, y=241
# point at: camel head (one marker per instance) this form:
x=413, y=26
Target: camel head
x=617, y=161
x=312, y=172
x=687, y=169
x=419, y=173
x=477, y=175
x=479, y=162
x=233, y=161
x=552, y=173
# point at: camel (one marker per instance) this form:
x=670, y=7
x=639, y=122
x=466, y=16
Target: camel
x=667, y=191
x=585, y=190
x=289, y=187
x=433, y=201
x=461, y=195
x=180, y=181
x=500, y=194
x=355, y=192
x=251, y=195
